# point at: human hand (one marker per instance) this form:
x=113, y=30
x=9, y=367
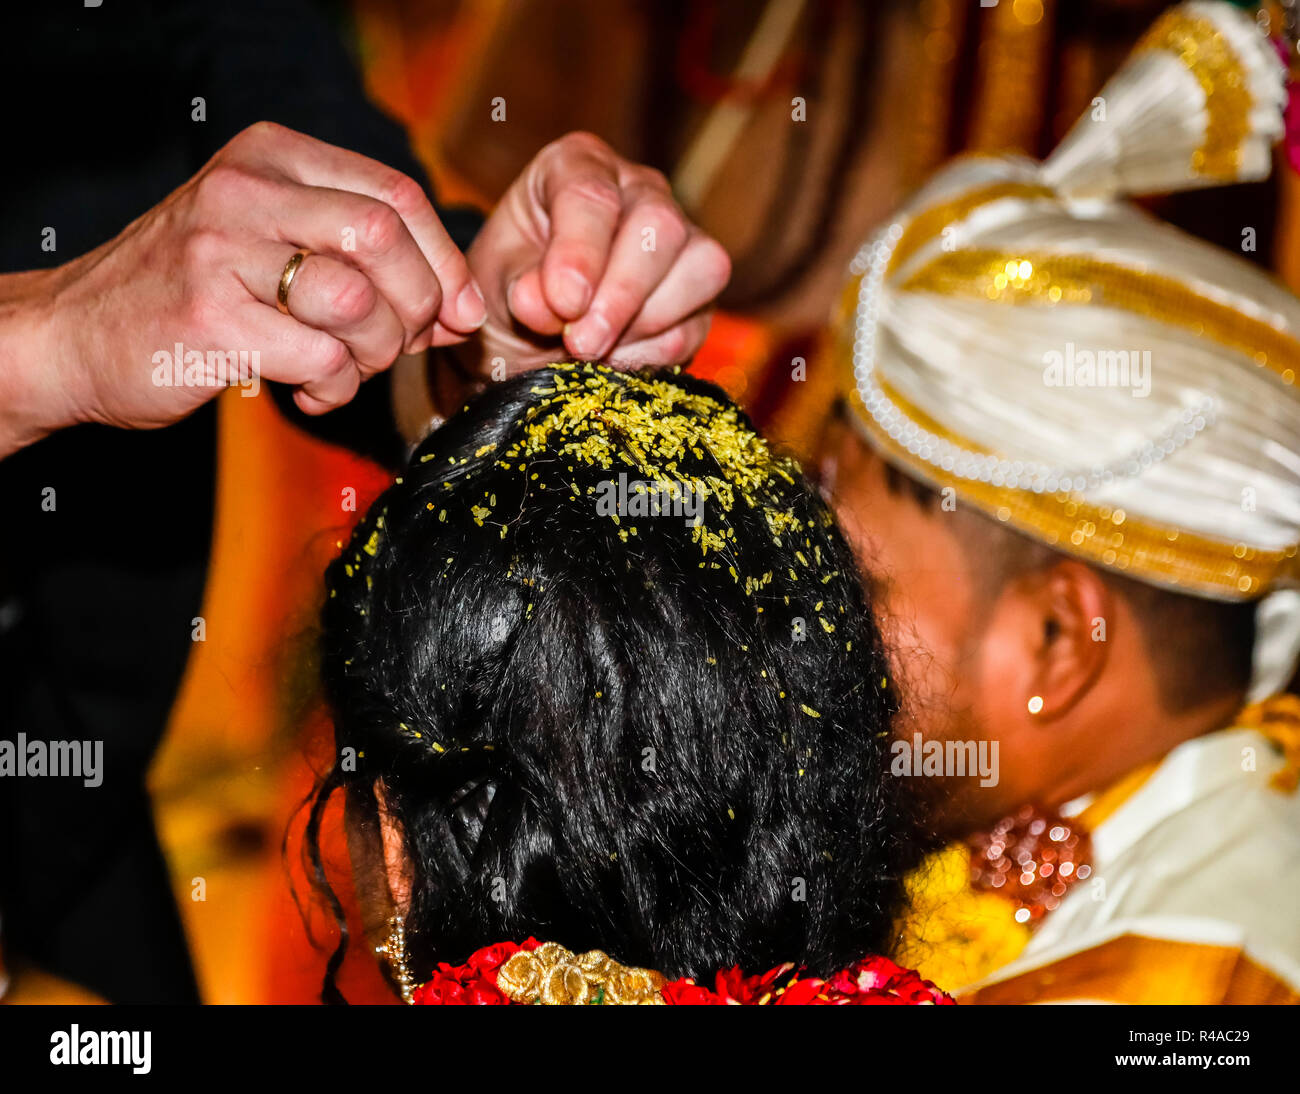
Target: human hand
x=202, y=269
x=589, y=256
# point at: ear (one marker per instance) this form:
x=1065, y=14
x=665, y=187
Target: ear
x=1071, y=601
x=381, y=874
x=397, y=867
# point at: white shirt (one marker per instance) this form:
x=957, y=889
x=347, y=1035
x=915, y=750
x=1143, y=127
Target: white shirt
x=1206, y=851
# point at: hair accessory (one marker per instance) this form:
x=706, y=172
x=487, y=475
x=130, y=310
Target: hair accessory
x=393, y=950
x=546, y=973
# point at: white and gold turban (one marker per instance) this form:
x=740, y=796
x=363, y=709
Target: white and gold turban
x=1085, y=373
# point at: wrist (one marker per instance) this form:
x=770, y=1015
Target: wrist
x=37, y=387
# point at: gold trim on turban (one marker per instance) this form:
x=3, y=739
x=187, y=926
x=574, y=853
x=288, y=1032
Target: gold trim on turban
x=1100, y=534
x=931, y=221
x=1058, y=278
x=1200, y=46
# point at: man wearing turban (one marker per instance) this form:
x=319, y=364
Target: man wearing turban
x=1069, y=441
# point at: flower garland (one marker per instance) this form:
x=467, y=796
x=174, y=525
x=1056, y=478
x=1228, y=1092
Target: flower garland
x=546, y=973
x=952, y=932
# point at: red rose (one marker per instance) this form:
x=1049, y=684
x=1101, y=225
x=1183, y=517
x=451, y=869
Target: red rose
x=876, y=999
x=687, y=993
x=481, y=993
x=441, y=991
x=731, y=986
x=802, y=993
x=491, y=958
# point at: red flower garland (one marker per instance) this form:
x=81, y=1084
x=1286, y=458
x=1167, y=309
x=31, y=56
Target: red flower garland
x=873, y=981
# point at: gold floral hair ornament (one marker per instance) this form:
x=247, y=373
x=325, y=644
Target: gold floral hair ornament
x=554, y=976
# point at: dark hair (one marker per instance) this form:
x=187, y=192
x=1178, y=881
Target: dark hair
x=612, y=730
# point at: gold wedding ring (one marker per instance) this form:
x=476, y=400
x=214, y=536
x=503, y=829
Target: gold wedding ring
x=286, y=279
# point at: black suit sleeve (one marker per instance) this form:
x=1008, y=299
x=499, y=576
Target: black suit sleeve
x=313, y=87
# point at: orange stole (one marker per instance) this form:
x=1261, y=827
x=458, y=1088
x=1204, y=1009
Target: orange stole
x=1141, y=970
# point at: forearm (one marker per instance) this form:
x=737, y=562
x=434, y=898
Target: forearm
x=35, y=393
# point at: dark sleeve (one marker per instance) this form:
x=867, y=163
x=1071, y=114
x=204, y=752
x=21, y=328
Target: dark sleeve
x=283, y=61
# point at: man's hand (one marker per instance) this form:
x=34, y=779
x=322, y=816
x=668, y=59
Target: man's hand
x=202, y=269
x=588, y=256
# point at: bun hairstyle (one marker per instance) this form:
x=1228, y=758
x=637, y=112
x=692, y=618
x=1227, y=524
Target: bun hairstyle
x=660, y=738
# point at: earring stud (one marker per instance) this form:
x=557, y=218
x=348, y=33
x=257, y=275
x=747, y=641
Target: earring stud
x=1035, y=704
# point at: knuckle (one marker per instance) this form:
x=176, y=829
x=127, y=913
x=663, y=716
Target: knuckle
x=388, y=352
x=674, y=344
x=622, y=300
x=581, y=141
x=346, y=389
x=201, y=251
x=667, y=221
x=260, y=131
x=225, y=186
x=426, y=311
x=403, y=193
x=592, y=190
x=201, y=312
x=381, y=228
x=651, y=178
x=329, y=356
x=352, y=299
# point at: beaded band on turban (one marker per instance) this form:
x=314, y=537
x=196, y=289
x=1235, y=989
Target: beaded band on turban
x=1084, y=373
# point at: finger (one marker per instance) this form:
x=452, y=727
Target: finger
x=330, y=296
x=364, y=233
x=319, y=365
x=675, y=346
x=700, y=273
x=581, y=197
x=528, y=304
x=317, y=164
x=648, y=241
